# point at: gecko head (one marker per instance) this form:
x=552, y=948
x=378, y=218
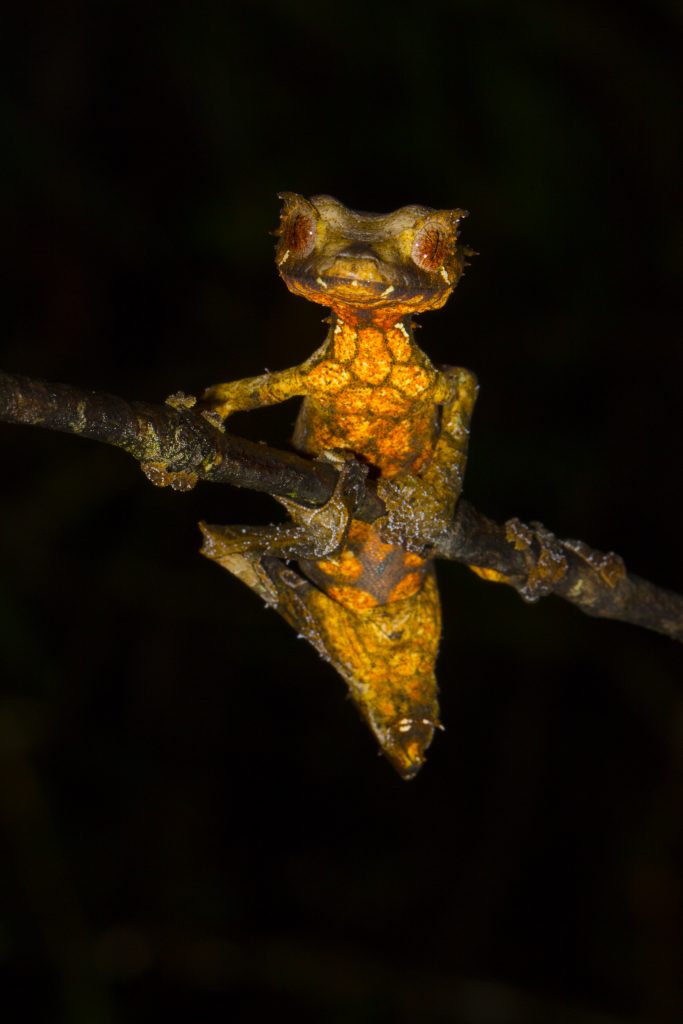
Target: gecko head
x=404, y=262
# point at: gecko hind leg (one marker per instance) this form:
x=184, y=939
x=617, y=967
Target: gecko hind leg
x=243, y=552
x=284, y=540
x=314, y=532
x=278, y=585
x=234, y=548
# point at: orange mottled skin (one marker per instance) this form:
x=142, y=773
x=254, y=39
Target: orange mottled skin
x=364, y=596
x=373, y=392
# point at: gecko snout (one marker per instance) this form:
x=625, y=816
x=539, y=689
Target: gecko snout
x=358, y=263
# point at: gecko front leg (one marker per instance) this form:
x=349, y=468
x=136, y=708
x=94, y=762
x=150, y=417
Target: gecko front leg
x=222, y=400
x=256, y=392
x=421, y=506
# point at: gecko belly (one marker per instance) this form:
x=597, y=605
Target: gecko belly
x=367, y=572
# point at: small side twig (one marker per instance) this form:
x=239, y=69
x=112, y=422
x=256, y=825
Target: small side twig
x=529, y=558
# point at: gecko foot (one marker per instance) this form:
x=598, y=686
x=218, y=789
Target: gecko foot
x=417, y=513
x=324, y=529
x=543, y=555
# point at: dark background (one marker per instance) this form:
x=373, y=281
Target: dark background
x=193, y=820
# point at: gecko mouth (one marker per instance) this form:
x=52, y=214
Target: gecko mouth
x=359, y=267
x=358, y=280
x=363, y=293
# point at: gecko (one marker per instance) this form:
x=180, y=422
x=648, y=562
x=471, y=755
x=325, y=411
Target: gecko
x=364, y=595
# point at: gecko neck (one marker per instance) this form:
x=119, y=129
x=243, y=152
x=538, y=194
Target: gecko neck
x=381, y=319
x=370, y=323
x=370, y=346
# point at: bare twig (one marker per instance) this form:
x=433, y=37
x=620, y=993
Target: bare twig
x=189, y=446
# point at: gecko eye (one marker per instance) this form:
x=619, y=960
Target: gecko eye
x=298, y=233
x=431, y=246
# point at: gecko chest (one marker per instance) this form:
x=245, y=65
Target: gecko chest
x=386, y=365
x=372, y=393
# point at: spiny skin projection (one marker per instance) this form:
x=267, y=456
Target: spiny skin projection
x=364, y=596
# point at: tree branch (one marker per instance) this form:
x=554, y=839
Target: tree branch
x=180, y=438
x=180, y=445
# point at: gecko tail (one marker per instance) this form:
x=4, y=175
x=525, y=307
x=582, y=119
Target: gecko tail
x=385, y=655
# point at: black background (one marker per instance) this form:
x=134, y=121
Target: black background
x=194, y=821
